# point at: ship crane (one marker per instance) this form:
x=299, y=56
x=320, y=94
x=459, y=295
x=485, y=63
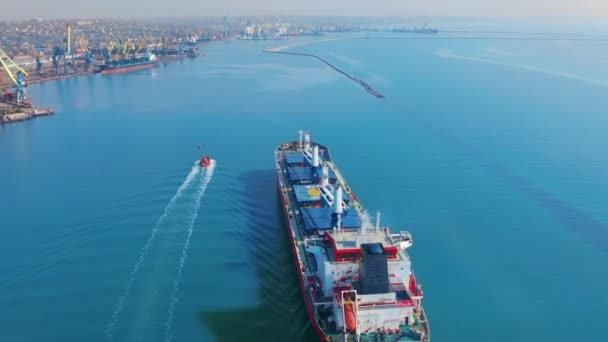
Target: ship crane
x=18, y=78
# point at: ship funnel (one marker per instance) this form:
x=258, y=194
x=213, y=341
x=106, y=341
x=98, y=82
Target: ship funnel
x=338, y=201
x=315, y=156
x=307, y=141
x=325, y=176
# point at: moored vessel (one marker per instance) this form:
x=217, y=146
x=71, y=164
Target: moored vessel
x=356, y=277
x=147, y=61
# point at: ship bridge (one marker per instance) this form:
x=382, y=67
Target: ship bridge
x=346, y=244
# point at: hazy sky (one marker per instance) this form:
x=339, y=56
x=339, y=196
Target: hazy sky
x=13, y=9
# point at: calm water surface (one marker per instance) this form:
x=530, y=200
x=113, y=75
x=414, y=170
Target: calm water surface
x=491, y=152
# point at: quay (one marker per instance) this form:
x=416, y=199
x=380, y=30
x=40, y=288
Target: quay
x=8, y=113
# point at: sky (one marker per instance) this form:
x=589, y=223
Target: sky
x=11, y=9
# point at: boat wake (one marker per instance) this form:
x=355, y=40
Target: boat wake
x=207, y=175
x=136, y=267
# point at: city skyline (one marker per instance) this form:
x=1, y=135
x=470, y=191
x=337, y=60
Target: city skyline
x=42, y=9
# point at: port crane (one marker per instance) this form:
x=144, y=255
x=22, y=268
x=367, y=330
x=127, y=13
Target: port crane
x=39, y=56
x=108, y=51
x=18, y=79
x=61, y=53
x=141, y=48
x=124, y=55
x=58, y=56
x=86, y=51
x=114, y=51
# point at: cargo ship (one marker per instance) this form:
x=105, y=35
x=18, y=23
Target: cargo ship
x=149, y=60
x=356, y=276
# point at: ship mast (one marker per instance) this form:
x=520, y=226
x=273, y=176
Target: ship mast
x=300, y=133
x=338, y=207
x=307, y=141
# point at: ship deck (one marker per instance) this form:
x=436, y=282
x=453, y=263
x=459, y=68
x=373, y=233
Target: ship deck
x=307, y=267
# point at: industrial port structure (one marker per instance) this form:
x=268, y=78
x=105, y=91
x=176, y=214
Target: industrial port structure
x=39, y=50
x=79, y=57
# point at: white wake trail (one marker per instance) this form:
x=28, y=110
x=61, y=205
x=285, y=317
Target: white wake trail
x=161, y=220
x=197, y=204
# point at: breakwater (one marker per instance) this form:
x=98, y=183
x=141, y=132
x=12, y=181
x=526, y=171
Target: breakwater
x=362, y=83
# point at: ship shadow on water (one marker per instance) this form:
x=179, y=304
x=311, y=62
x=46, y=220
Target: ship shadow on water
x=281, y=312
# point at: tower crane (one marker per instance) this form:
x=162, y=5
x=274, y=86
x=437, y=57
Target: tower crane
x=18, y=78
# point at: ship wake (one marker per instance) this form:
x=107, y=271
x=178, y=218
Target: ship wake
x=207, y=175
x=144, y=251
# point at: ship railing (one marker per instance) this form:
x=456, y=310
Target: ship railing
x=402, y=236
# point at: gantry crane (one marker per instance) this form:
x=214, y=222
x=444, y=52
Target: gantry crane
x=18, y=79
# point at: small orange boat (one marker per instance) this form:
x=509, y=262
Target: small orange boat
x=205, y=161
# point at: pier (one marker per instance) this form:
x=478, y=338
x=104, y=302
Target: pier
x=362, y=83
x=9, y=113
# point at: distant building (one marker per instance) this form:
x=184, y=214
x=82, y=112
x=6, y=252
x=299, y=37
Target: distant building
x=24, y=61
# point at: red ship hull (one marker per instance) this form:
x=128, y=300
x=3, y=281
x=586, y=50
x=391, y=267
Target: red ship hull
x=309, y=307
x=120, y=70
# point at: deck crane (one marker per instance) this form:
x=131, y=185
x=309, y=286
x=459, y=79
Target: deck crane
x=18, y=79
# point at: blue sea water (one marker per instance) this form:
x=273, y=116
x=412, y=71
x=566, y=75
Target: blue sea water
x=490, y=151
